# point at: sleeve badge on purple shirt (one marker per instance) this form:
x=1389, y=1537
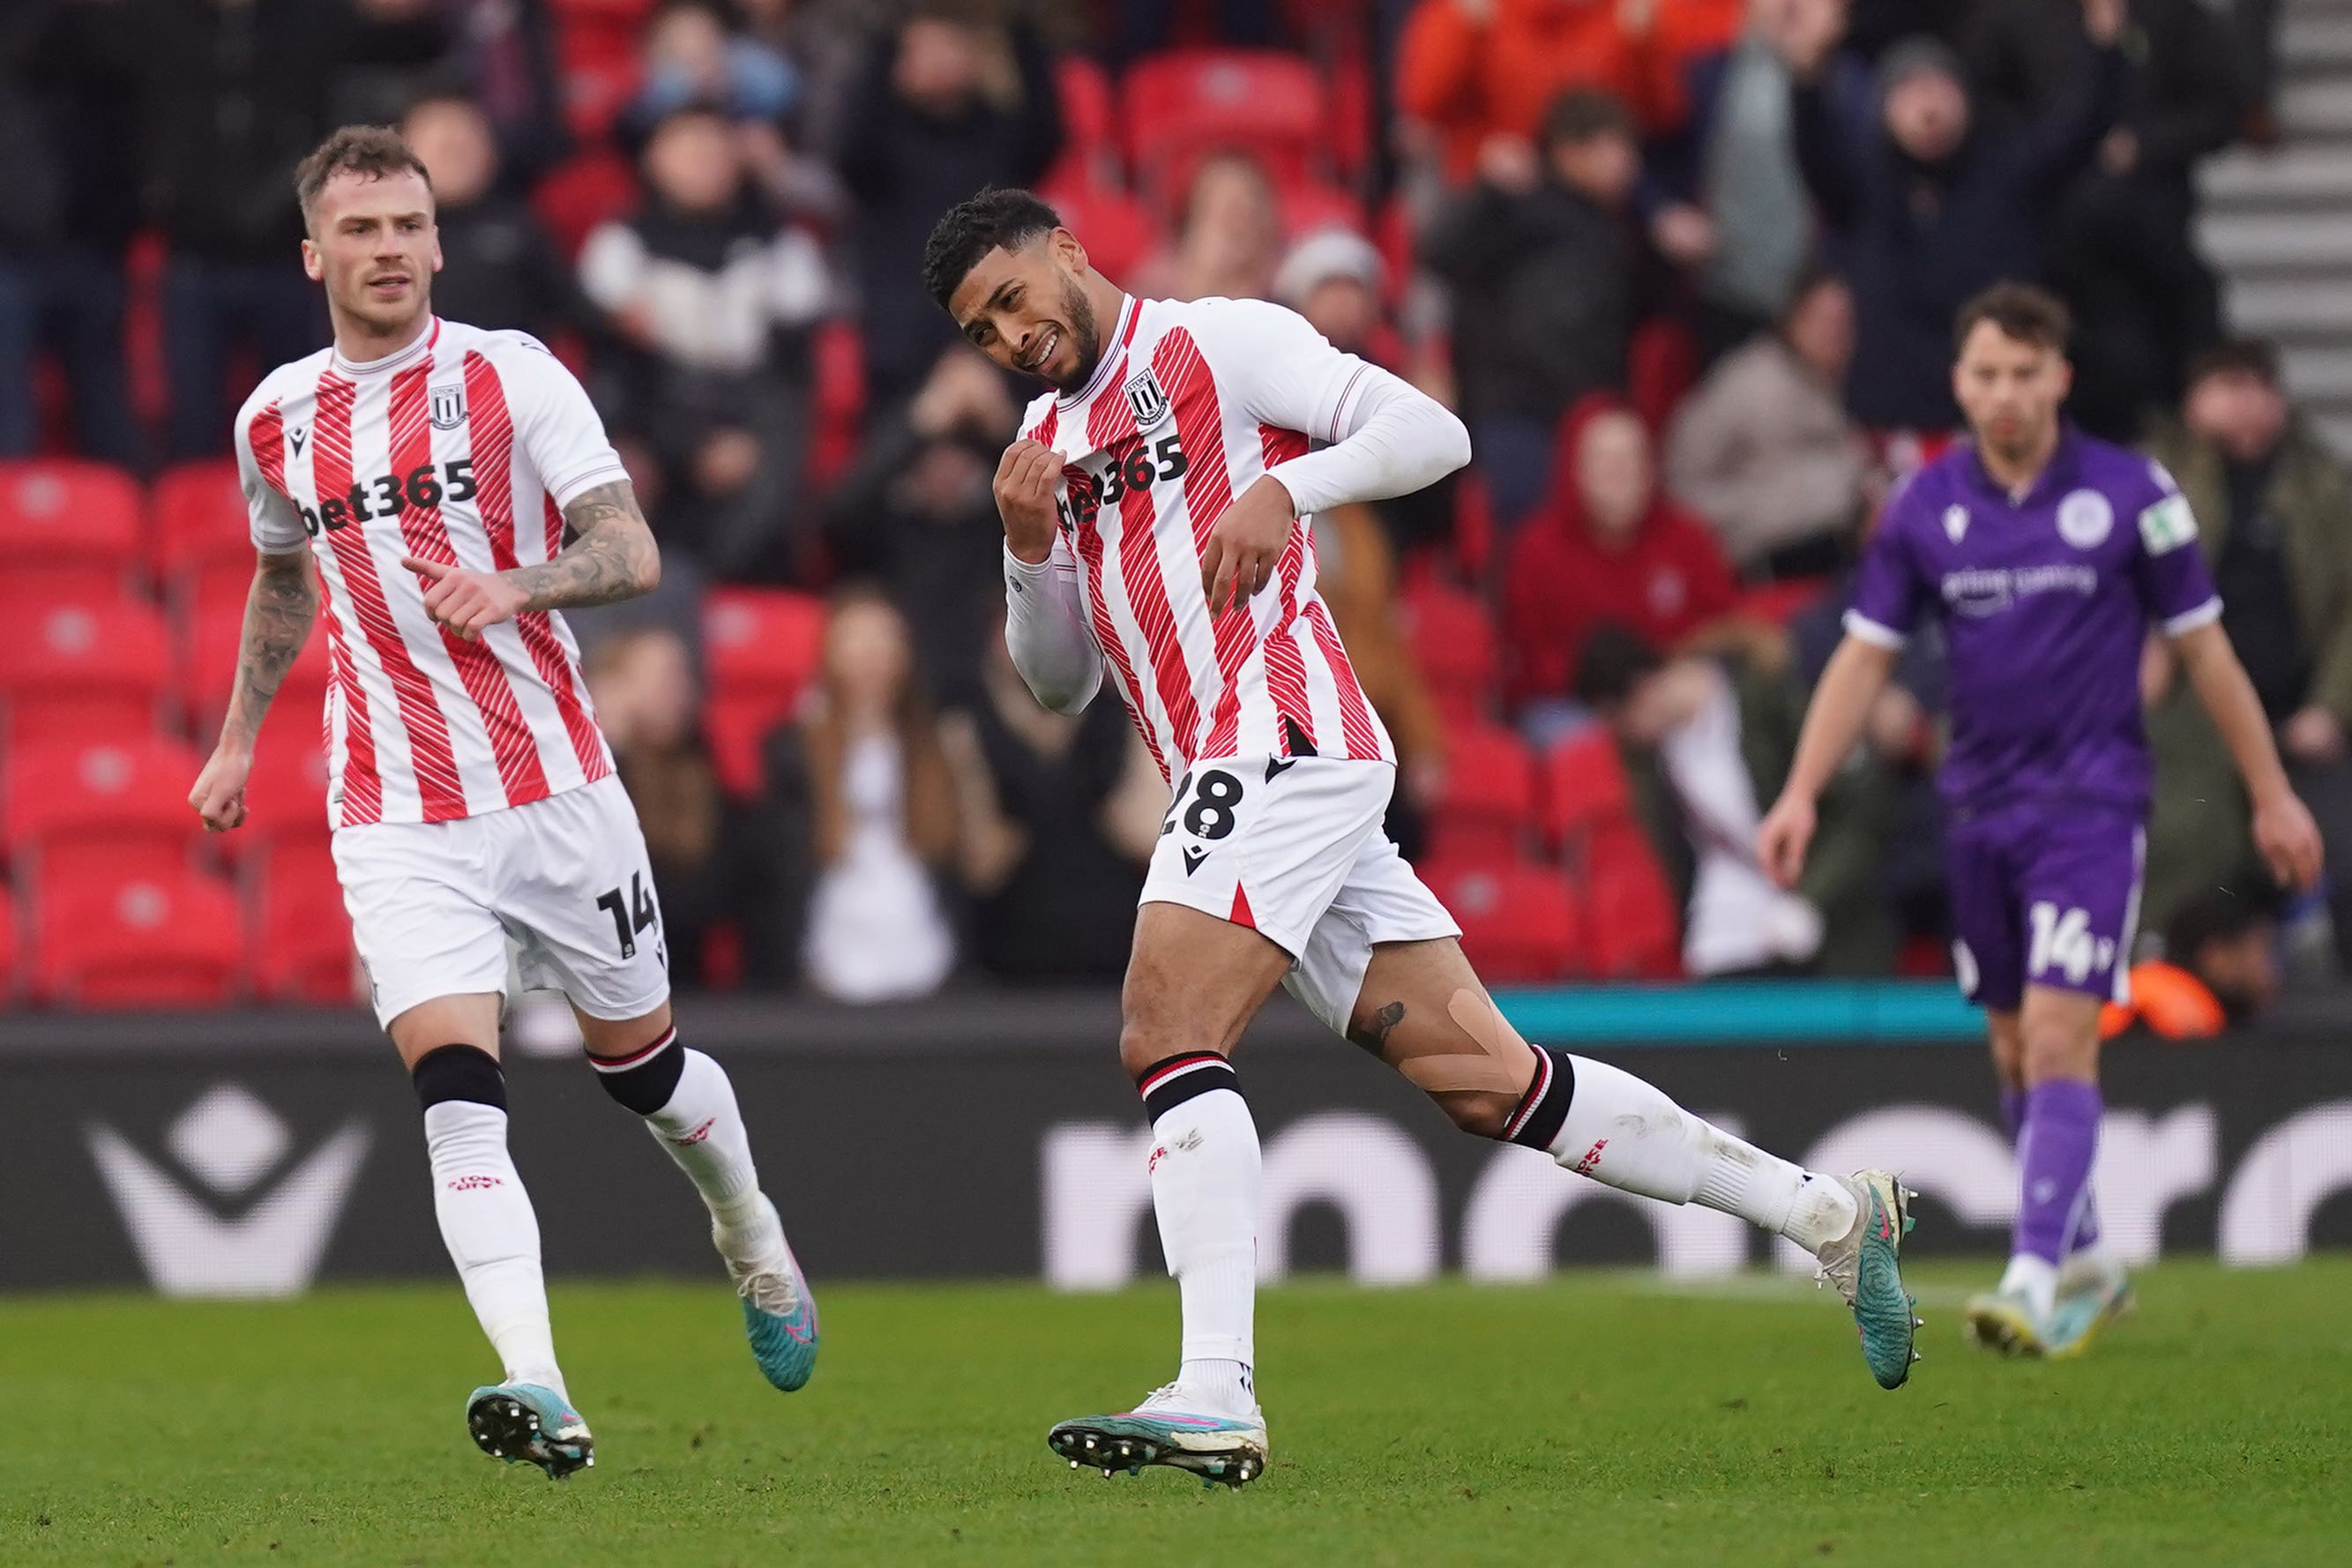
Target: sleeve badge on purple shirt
x=2085, y=519
x=1955, y=523
x=2167, y=525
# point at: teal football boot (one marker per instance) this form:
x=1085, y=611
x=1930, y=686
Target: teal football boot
x=778, y=1312
x=1865, y=1267
x=525, y=1424
x=1171, y=1427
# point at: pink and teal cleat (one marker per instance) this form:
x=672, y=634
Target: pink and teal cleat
x=526, y=1424
x=778, y=1312
x=1863, y=1265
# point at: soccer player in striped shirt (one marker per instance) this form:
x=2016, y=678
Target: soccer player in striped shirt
x=430, y=472
x=1158, y=522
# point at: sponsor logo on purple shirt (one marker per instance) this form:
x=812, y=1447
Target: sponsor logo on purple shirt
x=2045, y=601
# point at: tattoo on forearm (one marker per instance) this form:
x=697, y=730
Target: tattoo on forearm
x=612, y=555
x=277, y=614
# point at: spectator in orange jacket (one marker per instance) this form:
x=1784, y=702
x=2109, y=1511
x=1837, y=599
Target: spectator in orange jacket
x=1473, y=71
x=2220, y=967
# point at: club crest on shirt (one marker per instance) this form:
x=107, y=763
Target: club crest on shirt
x=1955, y=523
x=2085, y=519
x=448, y=407
x=1148, y=401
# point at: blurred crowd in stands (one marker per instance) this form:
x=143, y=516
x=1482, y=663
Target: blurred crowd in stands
x=1686, y=268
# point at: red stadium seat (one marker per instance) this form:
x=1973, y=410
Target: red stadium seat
x=761, y=645
x=1487, y=807
x=1521, y=925
x=12, y=967
x=582, y=193
x=1635, y=931
x=30, y=590
x=75, y=809
x=1186, y=105
x=301, y=932
x=84, y=669
x=837, y=353
x=1584, y=785
x=200, y=516
x=1089, y=119
x=761, y=640
x=1451, y=636
x=1636, y=928
x=64, y=511
x=138, y=941
x=1119, y=232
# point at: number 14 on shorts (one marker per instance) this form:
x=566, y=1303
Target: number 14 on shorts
x=2063, y=942
x=632, y=917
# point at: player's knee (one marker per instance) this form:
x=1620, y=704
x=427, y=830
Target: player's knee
x=2057, y=1048
x=466, y=1073
x=1144, y=1044
x=1481, y=1115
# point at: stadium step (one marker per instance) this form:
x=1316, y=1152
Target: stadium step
x=2278, y=223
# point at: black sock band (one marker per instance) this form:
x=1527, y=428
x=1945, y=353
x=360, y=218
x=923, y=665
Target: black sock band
x=1544, y=1107
x=1165, y=1085
x=644, y=1080
x=458, y=1072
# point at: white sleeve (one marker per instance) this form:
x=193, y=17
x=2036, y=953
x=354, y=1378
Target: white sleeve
x=277, y=525
x=1388, y=437
x=555, y=424
x=1046, y=633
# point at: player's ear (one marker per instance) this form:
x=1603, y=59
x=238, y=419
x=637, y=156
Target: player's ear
x=314, y=266
x=2066, y=377
x=1069, y=252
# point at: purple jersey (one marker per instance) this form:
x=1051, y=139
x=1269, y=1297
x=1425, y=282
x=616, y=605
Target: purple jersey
x=2045, y=600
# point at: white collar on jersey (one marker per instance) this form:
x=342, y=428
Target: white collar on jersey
x=419, y=347
x=1128, y=305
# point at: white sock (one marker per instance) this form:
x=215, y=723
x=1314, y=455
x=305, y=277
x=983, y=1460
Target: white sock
x=2036, y=1278
x=1205, y=1191
x=492, y=1236
x=702, y=1128
x=1626, y=1134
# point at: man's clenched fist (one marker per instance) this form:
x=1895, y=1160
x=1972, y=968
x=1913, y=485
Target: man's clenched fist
x=1024, y=498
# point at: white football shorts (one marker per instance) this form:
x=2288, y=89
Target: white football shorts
x=1294, y=848
x=434, y=903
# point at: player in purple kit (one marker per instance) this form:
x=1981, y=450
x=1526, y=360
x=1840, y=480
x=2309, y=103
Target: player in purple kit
x=2048, y=556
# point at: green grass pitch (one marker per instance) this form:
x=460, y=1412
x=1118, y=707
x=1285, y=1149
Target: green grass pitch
x=1597, y=1419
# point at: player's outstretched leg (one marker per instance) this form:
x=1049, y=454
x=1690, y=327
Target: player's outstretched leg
x=493, y=1238
x=689, y=1107
x=1421, y=1008
x=1195, y=982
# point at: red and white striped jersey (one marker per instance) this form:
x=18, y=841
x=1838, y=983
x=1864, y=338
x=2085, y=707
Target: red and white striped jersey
x=1189, y=405
x=462, y=447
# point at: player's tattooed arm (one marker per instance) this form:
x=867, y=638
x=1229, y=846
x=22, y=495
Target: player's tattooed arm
x=612, y=555
x=278, y=610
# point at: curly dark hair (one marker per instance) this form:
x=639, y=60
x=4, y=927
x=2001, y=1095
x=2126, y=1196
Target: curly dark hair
x=370, y=150
x=999, y=216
